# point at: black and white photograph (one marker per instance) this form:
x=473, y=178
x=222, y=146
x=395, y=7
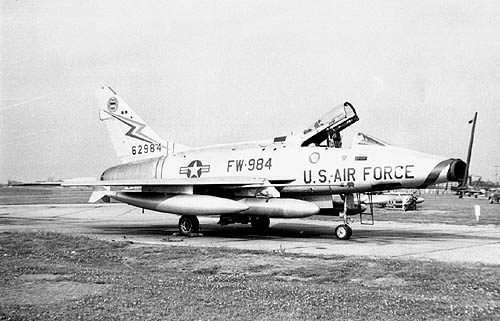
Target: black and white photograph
x=249, y=160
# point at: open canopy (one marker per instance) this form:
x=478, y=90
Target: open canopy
x=329, y=126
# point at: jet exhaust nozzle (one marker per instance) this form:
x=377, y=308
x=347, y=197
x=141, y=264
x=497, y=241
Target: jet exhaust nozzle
x=456, y=172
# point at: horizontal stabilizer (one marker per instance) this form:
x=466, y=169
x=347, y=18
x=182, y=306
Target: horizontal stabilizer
x=76, y=181
x=98, y=195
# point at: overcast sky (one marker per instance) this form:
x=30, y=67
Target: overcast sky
x=208, y=72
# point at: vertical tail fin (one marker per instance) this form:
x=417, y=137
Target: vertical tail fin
x=132, y=138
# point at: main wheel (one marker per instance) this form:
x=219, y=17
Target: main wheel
x=188, y=224
x=260, y=223
x=343, y=232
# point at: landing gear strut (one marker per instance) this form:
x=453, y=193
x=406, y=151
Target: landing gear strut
x=188, y=224
x=344, y=231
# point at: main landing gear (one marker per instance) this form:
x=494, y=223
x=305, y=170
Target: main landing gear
x=260, y=223
x=188, y=224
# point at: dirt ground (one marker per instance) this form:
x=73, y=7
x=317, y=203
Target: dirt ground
x=53, y=276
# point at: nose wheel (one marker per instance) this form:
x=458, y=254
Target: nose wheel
x=343, y=232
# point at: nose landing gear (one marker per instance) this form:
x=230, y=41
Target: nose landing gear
x=343, y=232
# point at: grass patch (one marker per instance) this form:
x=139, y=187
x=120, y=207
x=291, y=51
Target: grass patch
x=51, y=276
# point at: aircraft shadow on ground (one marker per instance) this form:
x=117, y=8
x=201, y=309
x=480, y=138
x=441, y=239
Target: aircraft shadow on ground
x=230, y=231
x=293, y=231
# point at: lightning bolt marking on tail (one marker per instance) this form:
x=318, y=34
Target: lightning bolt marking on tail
x=135, y=130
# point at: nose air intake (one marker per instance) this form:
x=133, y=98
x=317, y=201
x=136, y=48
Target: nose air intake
x=456, y=172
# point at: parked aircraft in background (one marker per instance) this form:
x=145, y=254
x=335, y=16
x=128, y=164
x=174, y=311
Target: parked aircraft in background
x=494, y=196
x=291, y=176
x=470, y=189
x=403, y=200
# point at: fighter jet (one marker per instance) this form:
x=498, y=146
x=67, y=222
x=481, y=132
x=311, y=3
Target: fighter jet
x=291, y=176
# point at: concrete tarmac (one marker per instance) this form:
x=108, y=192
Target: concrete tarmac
x=441, y=242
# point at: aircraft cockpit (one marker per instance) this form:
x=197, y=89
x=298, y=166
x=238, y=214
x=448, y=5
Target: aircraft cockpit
x=326, y=130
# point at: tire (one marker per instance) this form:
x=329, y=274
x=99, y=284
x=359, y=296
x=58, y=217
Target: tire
x=260, y=223
x=343, y=232
x=188, y=224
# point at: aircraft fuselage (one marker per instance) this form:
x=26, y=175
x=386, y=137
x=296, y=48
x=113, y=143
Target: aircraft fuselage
x=301, y=170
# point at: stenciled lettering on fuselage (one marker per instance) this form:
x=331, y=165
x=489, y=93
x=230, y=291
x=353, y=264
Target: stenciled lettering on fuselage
x=351, y=174
x=194, y=169
x=251, y=164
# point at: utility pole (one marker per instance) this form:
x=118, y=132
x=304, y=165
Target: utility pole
x=465, y=182
x=496, y=175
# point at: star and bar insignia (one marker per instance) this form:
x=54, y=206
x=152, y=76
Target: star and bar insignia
x=194, y=169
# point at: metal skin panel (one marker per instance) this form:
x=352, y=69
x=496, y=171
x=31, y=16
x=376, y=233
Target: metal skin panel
x=295, y=173
x=311, y=170
x=143, y=169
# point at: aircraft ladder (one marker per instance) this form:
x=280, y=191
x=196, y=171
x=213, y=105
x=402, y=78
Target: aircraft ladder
x=370, y=215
